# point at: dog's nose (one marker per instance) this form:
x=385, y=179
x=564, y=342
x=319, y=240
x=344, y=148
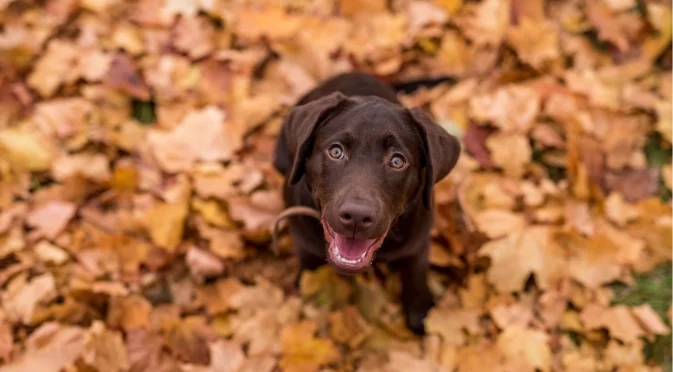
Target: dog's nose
x=356, y=216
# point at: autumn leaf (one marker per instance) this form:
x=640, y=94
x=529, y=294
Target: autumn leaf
x=527, y=251
x=26, y=148
x=526, y=346
x=452, y=325
x=106, y=350
x=302, y=351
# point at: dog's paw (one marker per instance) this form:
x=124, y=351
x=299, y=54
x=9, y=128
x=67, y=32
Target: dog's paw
x=415, y=318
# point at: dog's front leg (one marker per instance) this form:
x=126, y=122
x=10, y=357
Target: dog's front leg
x=416, y=296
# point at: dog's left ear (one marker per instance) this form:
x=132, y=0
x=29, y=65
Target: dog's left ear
x=441, y=151
x=296, y=137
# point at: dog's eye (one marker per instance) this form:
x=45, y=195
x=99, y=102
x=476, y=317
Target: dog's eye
x=397, y=161
x=336, y=152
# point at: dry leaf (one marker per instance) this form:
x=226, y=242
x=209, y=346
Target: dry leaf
x=302, y=351
x=452, y=325
x=51, y=348
x=524, y=252
x=650, y=320
x=618, y=320
x=511, y=152
x=525, y=346
x=105, y=349
x=51, y=218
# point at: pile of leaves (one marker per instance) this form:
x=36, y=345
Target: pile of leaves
x=137, y=192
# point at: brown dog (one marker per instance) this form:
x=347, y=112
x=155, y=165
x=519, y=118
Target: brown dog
x=350, y=150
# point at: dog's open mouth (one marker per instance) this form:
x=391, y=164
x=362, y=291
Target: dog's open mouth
x=347, y=254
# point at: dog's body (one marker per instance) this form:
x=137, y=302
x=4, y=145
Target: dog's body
x=372, y=184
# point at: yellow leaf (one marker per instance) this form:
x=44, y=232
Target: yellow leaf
x=451, y=324
x=26, y=149
x=165, y=223
x=522, y=253
x=451, y=6
x=213, y=212
x=526, y=346
x=302, y=351
x=498, y=223
x=348, y=327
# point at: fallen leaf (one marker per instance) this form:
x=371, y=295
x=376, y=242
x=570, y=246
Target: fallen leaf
x=50, y=348
x=526, y=346
x=485, y=23
x=123, y=75
x=511, y=152
x=105, y=349
x=452, y=325
x=535, y=41
x=95, y=167
x=498, y=223
x=512, y=109
x=51, y=218
x=618, y=320
x=527, y=251
x=202, y=135
x=348, y=327
x=302, y=351
x=203, y=263
x=26, y=148
x=650, y=320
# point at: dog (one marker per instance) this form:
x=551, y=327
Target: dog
x=349, y=149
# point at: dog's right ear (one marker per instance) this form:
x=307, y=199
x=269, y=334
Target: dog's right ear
x=296, y=137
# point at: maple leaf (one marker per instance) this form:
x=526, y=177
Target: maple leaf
x=511, y=152
x=618, y=320
x=535, y=41
x=497, y=223
x=526, y=346
x=485, y=23
x=511, y=109
x=606, y=24
x=201, y=136
x=450, y=324
x=302, y=351
x=527, y=251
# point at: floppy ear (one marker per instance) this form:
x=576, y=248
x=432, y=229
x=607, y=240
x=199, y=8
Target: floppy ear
x=296, y=137
x=440, y=149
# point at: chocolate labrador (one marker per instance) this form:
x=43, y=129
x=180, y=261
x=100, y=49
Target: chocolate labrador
x=349, y=149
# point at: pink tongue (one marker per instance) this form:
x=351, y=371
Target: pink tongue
x=350, y=248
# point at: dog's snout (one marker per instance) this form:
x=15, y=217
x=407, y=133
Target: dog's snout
x=356, y=216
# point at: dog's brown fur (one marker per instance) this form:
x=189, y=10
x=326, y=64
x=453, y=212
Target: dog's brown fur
x=364, y=116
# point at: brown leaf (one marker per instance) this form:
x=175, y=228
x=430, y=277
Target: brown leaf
x=20, y=303
x=203, y=263
x=51, y=348
x=124, y=76
x=106, y=350
x=633, y=184
x=606, y=24
x=129, y=313
x=348, y=327
x=475, y=144
x=512, y=108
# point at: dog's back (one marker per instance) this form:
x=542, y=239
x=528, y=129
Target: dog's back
x=352, y=84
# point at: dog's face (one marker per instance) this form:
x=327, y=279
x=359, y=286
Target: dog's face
x=365, y=160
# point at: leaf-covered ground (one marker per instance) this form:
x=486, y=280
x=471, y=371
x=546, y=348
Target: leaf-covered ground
x=136, y=190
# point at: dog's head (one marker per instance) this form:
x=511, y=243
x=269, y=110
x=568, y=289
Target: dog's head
x=365, y=160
